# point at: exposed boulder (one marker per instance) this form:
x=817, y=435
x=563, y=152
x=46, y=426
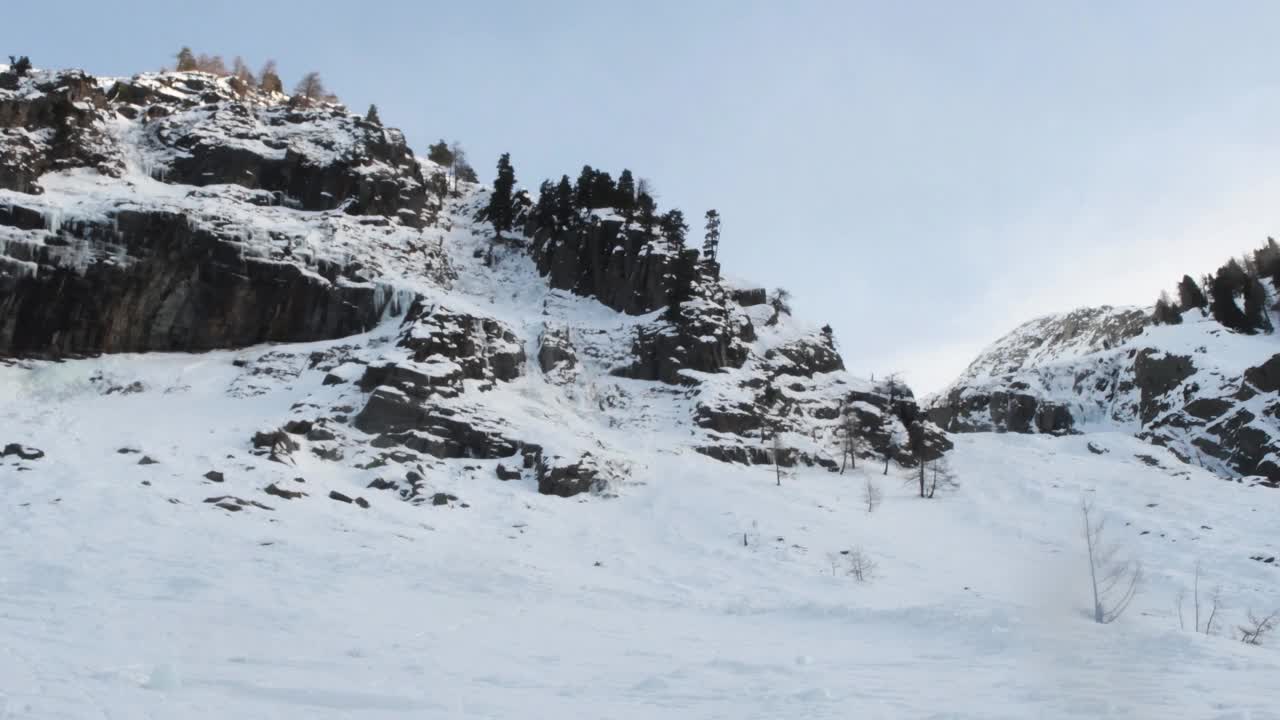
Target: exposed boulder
x=564, y=478
x=21, y=451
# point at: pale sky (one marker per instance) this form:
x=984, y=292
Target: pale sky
x=922, y=175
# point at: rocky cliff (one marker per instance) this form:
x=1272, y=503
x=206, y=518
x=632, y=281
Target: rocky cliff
x=183, y=212
x=1203, y=391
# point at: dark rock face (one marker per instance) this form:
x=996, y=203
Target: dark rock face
x=135, y=275
x=1156, y=375
x=22, y=452
x=705, y=337
x=555, y=350
x=619, y=267
x=562, y=478
x=70, y=107
x=179, y=288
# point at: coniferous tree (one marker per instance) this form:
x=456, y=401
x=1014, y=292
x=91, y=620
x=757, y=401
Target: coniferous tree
x=544, y=213
x=269, y=78
x=674, y=229
x=186, y=60
x=711, y=243
x=500, y=211
x=1189, y=295
x=564, y=202
x=625, y=197
x=372, y=115
x=19, y=66
x=440, y=154
x=646, y=212
x=1229, y=281
x=603, y=190
x=683, y=274
x=584, y=190
x=1255, y=306
x=1165, y=312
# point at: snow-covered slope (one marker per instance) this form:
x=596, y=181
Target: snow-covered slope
x=283, y=434
x=704, y=590
x=1203, y=391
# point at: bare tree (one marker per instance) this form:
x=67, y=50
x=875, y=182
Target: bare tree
x=851, y=440
x=269, y=78
x=1258, y=627
x=1206, y=610
x=459, y=162
x=871, y=495
x=940, y=476
x=861, y=566
x=1114, y=581
x=776, y=453
x=310, y=88
x=241, y=72
x=212, y=64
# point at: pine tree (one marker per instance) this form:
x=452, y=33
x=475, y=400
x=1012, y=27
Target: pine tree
x=1255, y=306
x=440, y=154
x=683, y=274
x=1229, y=281
x=646, y=212
x=564, y=202
x=1165, y=312
x=544, y=213
x=583, y=191
x=372, y=115
x=625, y=196
x=269, y=78
x=603, y=190
x=711, y=244
x=500, y=211
x=19, y=66
x=186, y=60
x=1189, y=295
x=674, y=229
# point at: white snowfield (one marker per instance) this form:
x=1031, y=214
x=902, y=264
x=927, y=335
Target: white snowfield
x=690, y=589
x=124, y=595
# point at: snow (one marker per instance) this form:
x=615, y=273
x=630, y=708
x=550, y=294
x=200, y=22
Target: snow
x=688, y=588
x=117, y=601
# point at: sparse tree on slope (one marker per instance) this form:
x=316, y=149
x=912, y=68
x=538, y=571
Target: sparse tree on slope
x=372, y=115
x=1114, y=581
x=499, y=211
x=674, y=229
x=241, y=72
x=1165, y=312
x=310, y=88
x=584, y=189
x=440, y=154
x=1190, y=295
x=186, y=60
x=269, y=78
x=1229, y=281
x=20, y=65
x=1255, y=306
x=711, y=242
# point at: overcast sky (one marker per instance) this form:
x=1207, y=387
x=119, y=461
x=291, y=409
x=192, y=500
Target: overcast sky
x=923, y=176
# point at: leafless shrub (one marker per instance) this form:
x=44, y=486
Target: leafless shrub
x=1114, y=581
x=871, y=495
x=1258, y=627
x=861, y=566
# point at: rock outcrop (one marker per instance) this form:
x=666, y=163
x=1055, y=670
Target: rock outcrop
x=1209, y=395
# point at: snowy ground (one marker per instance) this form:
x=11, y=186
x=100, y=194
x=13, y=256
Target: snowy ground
x=120, y=599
